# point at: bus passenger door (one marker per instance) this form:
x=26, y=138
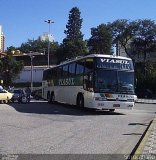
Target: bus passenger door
x=88, y=87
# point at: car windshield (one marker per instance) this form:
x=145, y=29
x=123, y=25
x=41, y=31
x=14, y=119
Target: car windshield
x=114, y=81
x=17, y=91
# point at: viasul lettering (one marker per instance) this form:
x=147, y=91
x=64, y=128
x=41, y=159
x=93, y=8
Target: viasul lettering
x=66, y=82
x=114, y=61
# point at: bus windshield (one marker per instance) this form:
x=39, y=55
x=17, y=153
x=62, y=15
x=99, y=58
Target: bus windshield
x=114, y=81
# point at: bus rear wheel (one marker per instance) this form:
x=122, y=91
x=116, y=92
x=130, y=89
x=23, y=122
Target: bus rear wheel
x=49, y=97
x=80, y=101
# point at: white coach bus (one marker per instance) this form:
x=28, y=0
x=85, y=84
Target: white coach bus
x=92, y=81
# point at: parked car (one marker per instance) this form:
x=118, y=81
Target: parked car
x=5, y=96
x=19, y=95
x=37, y=94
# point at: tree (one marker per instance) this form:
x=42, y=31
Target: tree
x=123, y=31
x=9, y=69
x=145, y=38
x=73, y=45
x=101, y=40
x=10, y=50
x=38, y=46
x=144, y=42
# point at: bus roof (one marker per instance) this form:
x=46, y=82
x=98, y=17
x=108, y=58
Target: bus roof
x=90, y=56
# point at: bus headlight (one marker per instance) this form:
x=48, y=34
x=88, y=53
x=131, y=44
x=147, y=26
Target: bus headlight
x=100, y=99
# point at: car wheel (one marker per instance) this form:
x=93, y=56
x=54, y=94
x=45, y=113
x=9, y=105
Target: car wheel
x=5, y=101
x=24, y=99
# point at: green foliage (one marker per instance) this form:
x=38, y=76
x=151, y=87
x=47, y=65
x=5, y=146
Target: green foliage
x=123, y=31
x=73, y=45
x=39, y=46
x=9, y=69
x=10, y=50
x=74, y=25
x=145, y=38
x=101, y=40
x=148, y=80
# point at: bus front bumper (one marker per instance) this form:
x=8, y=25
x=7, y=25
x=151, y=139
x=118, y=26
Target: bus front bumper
x=112, y=105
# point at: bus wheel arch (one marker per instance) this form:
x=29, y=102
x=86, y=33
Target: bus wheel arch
x=80, y=100
x=111, y=110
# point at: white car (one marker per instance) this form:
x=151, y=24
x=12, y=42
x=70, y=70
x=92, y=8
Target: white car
x=5, y=96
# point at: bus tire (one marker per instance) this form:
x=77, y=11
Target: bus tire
x=52, y=98
x=80, y=101
x=49, y=97
x=112, y=110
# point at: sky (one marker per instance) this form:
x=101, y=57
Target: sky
x=24, y=19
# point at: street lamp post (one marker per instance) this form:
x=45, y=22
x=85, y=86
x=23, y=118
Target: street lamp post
x=49, y=22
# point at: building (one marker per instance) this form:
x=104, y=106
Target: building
x=25, y=75
x=34, y=74
x=46, y=37
x=2, y=40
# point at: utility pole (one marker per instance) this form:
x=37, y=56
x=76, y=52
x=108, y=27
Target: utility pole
x=49, y=22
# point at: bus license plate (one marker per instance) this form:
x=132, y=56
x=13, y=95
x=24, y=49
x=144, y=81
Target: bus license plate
x=116, y=105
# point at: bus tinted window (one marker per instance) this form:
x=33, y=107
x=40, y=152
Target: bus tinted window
x=89, y=65
x=45, y=74
x=72, y=68
x=80, y=67
x=65, y=70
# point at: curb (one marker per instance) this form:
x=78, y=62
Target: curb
x=140, y=152
x=146, y=101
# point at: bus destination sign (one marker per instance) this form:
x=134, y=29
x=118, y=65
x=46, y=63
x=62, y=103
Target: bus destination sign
x=114, y=63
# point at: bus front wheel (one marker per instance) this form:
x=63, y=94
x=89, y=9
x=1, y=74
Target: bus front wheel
x=80, y=101
x=53, y=98
x=112, y=110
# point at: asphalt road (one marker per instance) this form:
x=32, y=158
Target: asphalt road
x=42, y=128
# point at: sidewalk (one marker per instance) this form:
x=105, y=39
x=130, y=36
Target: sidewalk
x=147, y=147
x=148, y=101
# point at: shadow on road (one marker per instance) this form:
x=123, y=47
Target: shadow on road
x=60, y=109
x=142, y=124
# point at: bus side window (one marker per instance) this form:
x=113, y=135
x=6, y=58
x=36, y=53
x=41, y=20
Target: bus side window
x=80, y=67
x=65, y=70
x=72, y=67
